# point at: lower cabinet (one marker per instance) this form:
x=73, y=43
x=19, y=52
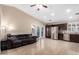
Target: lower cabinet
x=66, y=37
x=74, y=38
x=60, y=36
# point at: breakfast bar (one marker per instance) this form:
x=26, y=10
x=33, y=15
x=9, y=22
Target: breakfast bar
x=71, y=36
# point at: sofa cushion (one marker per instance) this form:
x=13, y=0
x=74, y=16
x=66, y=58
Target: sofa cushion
x=13, y=38
x=17, y=41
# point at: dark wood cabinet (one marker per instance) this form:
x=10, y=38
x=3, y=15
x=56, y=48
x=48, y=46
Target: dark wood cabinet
x=60, y=36
x=48, y=32
x=74, y=38
x=60, y=28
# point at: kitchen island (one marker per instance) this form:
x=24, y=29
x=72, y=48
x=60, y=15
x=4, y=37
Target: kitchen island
x=71, y=36
x=74, y=38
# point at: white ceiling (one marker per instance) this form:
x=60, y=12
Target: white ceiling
x=55, y=12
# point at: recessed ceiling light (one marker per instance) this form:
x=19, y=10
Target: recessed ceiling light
x=52, y=14
x=70, y=17
x=68, y=10
x=45, y=17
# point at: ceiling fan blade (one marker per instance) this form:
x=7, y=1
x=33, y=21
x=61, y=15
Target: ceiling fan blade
x=33, y=5
x=45, y=6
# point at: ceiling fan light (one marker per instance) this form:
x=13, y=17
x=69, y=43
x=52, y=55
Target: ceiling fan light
x=38, y=6
x=38, y=9
x=49, y=20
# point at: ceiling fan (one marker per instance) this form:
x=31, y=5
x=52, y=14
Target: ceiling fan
x=38, y=6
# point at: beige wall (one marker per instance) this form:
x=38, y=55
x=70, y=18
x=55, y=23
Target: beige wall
x=0, y=22
x=17, y=21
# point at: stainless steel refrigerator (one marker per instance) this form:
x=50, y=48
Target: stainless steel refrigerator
x=54, y=33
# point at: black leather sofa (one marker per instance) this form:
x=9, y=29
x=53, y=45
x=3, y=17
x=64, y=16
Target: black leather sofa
x=14, y=41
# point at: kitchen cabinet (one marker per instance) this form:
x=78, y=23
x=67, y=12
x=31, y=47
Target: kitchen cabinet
x=60, y=36
x=74, y=38
x=48, y=31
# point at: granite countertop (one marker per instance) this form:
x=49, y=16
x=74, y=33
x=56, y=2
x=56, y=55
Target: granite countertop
x=68, y=32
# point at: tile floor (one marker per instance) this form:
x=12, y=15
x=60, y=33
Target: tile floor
x=46, y=47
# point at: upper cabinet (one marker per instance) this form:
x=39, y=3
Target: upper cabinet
x=73, y=27
x=62, y=26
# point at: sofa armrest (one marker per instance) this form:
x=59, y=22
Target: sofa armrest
x=34, y=37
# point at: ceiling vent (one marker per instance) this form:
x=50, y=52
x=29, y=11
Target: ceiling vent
x=49, y=20
x=77, y=13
